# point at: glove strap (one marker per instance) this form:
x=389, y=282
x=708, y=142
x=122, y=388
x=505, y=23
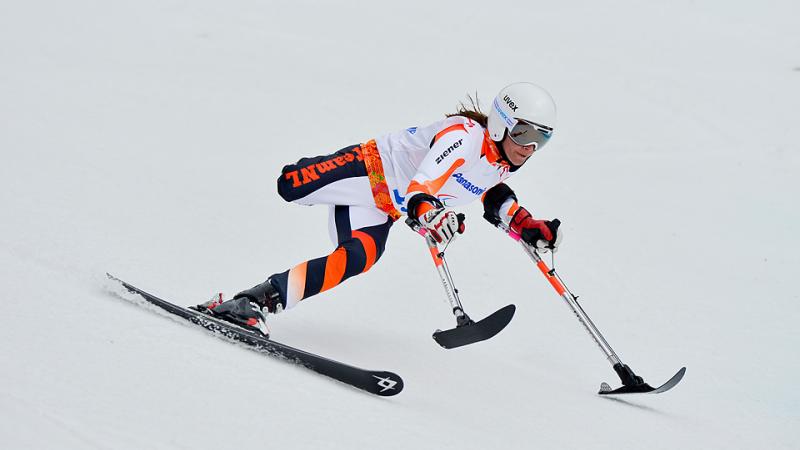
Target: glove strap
x=415, y=202
x=518, y=219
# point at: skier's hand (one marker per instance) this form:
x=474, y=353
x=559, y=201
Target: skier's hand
x=442, y=224
x=542, y=234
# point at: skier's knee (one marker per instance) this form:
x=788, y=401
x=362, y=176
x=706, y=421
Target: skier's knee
x=288, y=182
x=356, y=258
x=367, y=249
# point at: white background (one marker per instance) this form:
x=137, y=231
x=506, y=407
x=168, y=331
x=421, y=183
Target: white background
x=144, y=139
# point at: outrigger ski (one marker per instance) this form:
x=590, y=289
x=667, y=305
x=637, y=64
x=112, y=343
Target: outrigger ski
x=376, y=382
x=641, y=387
x=468, y=332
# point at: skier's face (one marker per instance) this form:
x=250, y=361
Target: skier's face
x=517, y=154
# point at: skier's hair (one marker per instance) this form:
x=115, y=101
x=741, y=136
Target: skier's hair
x=473, y=111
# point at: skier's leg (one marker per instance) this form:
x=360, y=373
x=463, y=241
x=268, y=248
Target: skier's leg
x=359, y=230
x=361, y=234
x=336, y=179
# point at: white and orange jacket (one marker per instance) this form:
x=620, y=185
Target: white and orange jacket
x=453, y=160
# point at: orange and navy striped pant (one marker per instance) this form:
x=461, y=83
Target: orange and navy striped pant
x=356, y=225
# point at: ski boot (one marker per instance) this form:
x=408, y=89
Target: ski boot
x=247, y=308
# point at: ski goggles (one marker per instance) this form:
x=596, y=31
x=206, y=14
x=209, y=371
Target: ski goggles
x=526, y=133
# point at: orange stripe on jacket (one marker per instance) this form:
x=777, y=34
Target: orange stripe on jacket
x=455, y=127
x=334, y=268
x=369, y=248
x=489, y=149
x=423, y=208
x=431, y=187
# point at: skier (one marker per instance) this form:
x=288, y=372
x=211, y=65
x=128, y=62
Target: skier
x=421, y=172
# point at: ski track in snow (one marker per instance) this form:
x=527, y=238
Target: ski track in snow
x=144, y=141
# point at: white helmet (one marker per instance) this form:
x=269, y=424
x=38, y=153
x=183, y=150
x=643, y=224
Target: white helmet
x=525, y=106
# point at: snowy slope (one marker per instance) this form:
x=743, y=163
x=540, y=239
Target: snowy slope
x=143, y=138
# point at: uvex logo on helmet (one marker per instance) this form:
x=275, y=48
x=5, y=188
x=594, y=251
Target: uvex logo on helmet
x=510, y=103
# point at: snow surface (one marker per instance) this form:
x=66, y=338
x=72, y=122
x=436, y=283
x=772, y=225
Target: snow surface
x=143, y=138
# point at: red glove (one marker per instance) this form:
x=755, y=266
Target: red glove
x=542, y=234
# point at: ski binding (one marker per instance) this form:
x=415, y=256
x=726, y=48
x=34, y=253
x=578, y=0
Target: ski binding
x=638, y=386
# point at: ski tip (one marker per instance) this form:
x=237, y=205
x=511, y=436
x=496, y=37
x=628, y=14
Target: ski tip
x=118, y=280
x=113, y=278
x=676, y=378
x=505, y=314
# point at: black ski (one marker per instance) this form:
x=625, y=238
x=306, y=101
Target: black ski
x=376, y=382
x=643, y=388
x=475, y=331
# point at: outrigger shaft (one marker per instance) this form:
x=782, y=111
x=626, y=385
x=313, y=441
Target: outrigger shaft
x=631, y=383
x=466, y=330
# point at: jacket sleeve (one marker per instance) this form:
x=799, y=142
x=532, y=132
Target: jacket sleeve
x=452, y=149
x=499, y=204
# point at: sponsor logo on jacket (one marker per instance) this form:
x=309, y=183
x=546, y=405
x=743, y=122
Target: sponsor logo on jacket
x=399, y=200
x=467, y=185
x=449, y=150
x=445, y=198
